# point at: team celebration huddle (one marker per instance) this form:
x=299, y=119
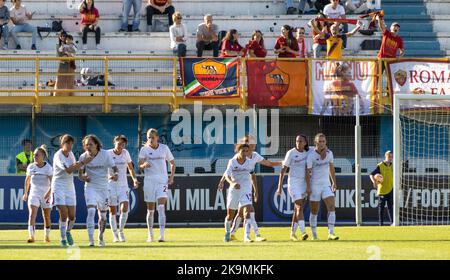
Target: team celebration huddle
x=104, y=173
x=310, y=171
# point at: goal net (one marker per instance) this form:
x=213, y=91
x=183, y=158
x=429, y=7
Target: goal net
x=421, y=159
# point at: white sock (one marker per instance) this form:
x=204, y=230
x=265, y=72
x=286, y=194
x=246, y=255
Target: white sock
x=150, y=221
x=47, y=231
x=62, y=229
x=101, y=224
x=247, y=227
x=70, y=224
x=113, y=222
x=313, y=224
x=90, y=223
x=294, y=227
x=236, y=223
x=227, y=225
x=123, y=220
x=254, y=224
x=31, y=231
x=301, y=225
x=161, y=219
x=331, y=222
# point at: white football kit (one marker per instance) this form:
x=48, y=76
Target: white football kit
x=296, y=161
x=320, y=177
x=119, y=191
x=63, y=188
x=39, y=184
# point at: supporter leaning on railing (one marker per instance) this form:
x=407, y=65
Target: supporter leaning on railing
x=89, y=22
x=4, y=19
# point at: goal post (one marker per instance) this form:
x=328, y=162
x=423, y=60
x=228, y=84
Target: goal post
x=421, y=162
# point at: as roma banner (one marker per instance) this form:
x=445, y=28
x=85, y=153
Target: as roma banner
x=210, y=78
x=336, y=85
x=419, y=76
x=276, y=83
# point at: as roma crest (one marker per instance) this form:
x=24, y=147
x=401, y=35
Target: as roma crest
x=209, y=73
x=278, y=83
x=400, y=77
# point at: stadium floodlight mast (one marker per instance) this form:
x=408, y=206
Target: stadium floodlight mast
x=421, y=159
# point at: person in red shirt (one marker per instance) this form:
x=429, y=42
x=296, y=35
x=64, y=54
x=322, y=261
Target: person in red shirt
x=89, y=22
x=159, y=7
x=286, y=45
x=256, y=45
x=230, y=45
x=391, y=41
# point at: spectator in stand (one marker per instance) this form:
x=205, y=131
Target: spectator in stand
x=290, y=9
x=66, y=68
x=159, y=7
x=286, y=45
x=24, y=158
x=356, y=6
x=19, y=16
x=304, y=42
x=320, y=4
x=334, y=39
x=256, y=46
x=319, y=44
x=126, y=11
x=391, y=42
x=334, y=10
x=4, y=19
x=207, y=38
x=178, y=35
x=89, y=22
x=231, y=46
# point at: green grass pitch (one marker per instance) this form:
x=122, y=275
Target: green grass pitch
x=426, y=242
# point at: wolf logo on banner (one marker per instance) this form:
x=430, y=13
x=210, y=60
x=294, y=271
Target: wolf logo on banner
x=278, y=83
x=209, y=78
x=400, y=77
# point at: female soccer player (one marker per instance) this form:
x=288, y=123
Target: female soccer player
x=63, y=188
x=39, y=176
x=95, y=176
x=320, y=169
x=295, y=160
x=119, y=193
x=152, y=159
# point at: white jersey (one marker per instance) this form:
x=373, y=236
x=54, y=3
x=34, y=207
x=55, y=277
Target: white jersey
x=97, y=169
x=320, y=168
x=121, y=161
x=60, y=162
x=240, y=173
x=157, y=158
x=296, y=161
x=254, y=159
x=40, y=180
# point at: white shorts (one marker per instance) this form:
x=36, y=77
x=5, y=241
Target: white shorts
x=64, y=196
x=246, y=198
x=297, y=189
x=320, y=192
x=118, y=195
x=39, y=201
x=97, y=197
x=233, y=196
x=154, y=190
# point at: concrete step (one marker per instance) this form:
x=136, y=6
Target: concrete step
x=421, y=45
x=424, y=53
x=413, y=27
x=401, y=9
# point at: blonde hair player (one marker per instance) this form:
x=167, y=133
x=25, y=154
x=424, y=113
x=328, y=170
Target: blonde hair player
x=95, y=175
x=234, y=193
x=152, y=159
x=63, y=188
x=295, y=160
x=39, y=176
x=320, y=169
x=119, y=193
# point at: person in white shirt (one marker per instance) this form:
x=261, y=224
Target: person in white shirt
x=295, y=160
x=153, y=159
x=20, y=17
x=39, y=175
x=63, y=188
x=119, y=192
x=178, y=35
x=334, y=10
x=95, y=175
x=320, y=170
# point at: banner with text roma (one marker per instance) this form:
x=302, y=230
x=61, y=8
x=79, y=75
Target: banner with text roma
x=210, y=77
x=276, y=83
x=419, y=76
x=337, y=84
